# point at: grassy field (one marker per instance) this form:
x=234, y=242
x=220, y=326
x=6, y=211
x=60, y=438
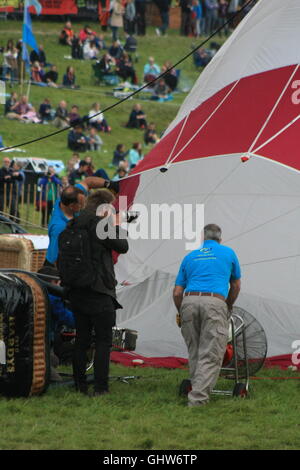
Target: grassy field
x=148, y=414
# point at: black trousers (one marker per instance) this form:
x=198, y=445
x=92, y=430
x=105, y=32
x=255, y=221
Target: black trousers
x=94, y=313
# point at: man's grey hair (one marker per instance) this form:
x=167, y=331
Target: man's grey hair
x=212, y=232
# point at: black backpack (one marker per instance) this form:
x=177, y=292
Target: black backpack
x=75, y=262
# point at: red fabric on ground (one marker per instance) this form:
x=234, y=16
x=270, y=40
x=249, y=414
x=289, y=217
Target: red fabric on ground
x=283, y=362
x=127, y=358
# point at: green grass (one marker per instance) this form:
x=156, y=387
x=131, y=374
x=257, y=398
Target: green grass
x=148, y=414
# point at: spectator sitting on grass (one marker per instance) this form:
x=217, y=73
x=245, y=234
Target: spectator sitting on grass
x=61, y=119
x=130, y=43
x=120, y=154
x=150, y=136
x=101, y=173
x=90, y=169
x=77, y=140
x=170, y=78
x=135, y=155
x=121, y=172
x=115, y=50
x=86, y=33
x=45, y=111
x=96, y=119
x=37, y=73
x=79, y=175
x=151, y=70
x=106, y=63
x=161, y=90
x=39, y=57
x=25, y=111
x=125, y=69
x=9, y=103
x=94, y=141
x=51, y=77
x=137, y=118
x=69, y=78
x=90, y=50
x=74, y=116
x=67, y=34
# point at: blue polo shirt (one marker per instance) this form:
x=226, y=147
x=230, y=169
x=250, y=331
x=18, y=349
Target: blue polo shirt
x=210, y=268
x=57, y=224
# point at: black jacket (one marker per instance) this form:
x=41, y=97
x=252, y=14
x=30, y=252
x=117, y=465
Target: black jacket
x=102, y=252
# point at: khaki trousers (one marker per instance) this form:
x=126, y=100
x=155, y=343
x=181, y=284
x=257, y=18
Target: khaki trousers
x=204, y=327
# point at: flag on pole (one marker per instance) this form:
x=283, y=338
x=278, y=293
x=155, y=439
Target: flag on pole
x=28, y=36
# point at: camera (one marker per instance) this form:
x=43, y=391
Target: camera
x=131, y=216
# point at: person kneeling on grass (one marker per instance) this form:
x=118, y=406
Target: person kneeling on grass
x=59, y=315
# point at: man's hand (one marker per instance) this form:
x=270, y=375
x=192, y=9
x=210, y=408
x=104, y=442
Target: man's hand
x=178, y=296
x=235, y=287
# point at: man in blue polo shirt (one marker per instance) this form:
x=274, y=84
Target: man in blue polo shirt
x=71, y=202
x=204, y=302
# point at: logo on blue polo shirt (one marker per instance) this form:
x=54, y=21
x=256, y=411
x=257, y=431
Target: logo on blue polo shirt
x=205, y=250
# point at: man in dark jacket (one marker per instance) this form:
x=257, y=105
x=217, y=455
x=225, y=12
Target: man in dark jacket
x=95, y=307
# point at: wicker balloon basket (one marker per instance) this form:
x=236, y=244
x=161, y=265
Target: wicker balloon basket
x=19, y=252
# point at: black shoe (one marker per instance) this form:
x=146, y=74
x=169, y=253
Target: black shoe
x=99, y=393
x=82, y=388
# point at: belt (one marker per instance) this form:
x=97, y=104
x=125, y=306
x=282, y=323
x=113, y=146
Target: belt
x=210, y=294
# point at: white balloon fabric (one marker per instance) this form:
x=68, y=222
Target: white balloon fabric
x=234, y=147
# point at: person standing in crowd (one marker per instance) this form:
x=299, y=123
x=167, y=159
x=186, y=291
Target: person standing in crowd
x=130, y=17
x=48, y=192
x=233, y=8
x=211, y=15
x=95, y=306
x=9, y=178
x=204, y=304
x=140, y=8
x=186, y=9
x=116, y=19
x=10, y=64
x=18, y=169
x=164, y=7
